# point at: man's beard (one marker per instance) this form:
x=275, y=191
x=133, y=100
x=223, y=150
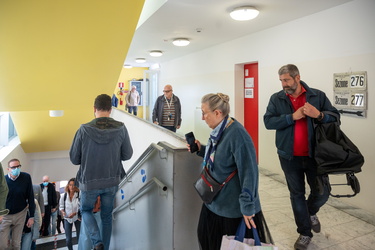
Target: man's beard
x=290, y=90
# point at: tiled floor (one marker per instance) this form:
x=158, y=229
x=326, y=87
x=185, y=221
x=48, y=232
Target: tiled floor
x=341, y=228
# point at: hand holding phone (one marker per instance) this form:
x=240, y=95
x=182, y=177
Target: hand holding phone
x=190, y=138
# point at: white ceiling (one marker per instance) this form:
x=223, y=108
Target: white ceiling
x=162, y=21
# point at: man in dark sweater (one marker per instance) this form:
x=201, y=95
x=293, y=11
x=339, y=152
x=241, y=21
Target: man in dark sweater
x=20, y=198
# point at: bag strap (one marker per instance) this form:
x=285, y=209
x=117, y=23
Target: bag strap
x=64, y=200
x=229, y=177
x=226, y=180
x=240, y=234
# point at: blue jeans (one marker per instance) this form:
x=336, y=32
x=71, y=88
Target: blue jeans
x=26, y=241
x=53, y=222
x=88, y=199
x=295, y=171
x=68, y=232
x=133, y=109
x=84, y=238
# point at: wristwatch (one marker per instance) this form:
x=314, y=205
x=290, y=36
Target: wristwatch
x=320, y=116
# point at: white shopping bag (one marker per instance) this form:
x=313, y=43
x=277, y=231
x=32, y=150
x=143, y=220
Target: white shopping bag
x=238, y=242
x=229, y=243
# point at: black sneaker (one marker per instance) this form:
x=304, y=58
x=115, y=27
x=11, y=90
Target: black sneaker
x=315, y=223
x=302, y=242
x=4, y=212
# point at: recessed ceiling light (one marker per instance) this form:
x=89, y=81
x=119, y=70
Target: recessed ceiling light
x=244, y=13
x=140, y=60
x=127, y=66
x=156, y=53
x=181, y=42
x=56, y=113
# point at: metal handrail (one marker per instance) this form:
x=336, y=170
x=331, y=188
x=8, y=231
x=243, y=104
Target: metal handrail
x=133, y=169
x=140, y=192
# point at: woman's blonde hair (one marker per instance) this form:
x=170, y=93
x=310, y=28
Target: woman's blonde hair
x=217, y=101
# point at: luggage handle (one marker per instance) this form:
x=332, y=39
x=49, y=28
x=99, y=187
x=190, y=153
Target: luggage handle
x=351, y=181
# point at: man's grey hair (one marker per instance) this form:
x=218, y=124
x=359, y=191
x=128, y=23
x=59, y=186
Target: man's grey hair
x=289, y=68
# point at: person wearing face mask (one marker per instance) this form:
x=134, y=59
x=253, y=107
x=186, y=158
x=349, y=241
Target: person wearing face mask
x=20, y=199
x=167, y=110
x=50, y=202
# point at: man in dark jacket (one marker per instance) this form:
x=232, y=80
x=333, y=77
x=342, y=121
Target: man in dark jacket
x=292, y=112
x=50, y=201
x=167, y=110
x=99, y=147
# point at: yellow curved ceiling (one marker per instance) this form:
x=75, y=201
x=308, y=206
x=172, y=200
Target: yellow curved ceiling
x=59, y=55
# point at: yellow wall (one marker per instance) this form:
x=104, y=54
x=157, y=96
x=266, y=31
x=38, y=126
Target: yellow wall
x=127, y=75
x=59, y=55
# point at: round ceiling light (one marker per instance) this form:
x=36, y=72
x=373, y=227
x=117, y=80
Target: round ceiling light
x=127, y=66
x=140, y=60
x=244, y=13
x=181, y=42
x=156, y=53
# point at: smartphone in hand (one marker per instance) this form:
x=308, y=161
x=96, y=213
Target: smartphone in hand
x=190, y=138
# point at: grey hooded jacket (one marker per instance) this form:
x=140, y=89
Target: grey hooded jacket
x=99, y=147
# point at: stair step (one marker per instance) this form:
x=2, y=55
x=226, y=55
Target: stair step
x=48, y=243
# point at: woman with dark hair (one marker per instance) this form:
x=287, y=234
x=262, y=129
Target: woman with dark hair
x=69, y=208
x=229, y=150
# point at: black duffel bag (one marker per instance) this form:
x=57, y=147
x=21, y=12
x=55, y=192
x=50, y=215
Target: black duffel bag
x=335, y=153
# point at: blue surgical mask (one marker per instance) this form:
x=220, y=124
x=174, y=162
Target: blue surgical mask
x=16, y=172
x=45, y=184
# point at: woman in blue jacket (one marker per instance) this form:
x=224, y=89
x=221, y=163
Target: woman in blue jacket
x=229, y=147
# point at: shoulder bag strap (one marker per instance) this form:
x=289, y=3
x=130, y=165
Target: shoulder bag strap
x=229, y=177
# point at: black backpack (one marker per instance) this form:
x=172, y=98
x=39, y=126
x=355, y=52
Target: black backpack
x=335, y=153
